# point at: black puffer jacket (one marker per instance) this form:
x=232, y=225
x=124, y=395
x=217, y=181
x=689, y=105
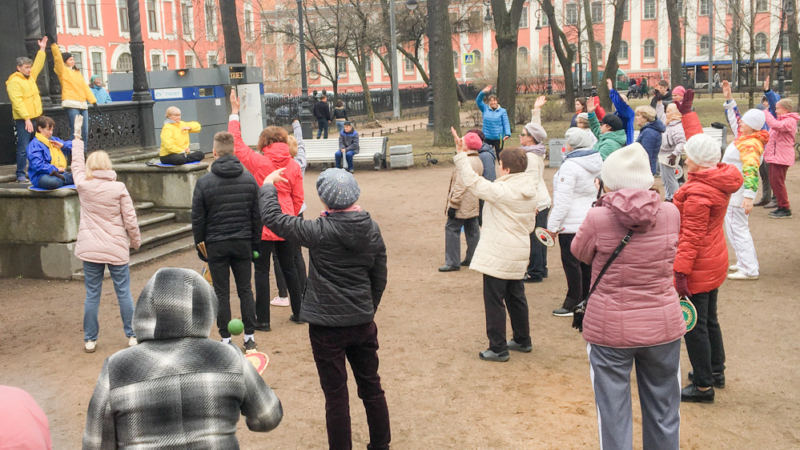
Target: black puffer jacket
x=225, y=204
x=347, y=267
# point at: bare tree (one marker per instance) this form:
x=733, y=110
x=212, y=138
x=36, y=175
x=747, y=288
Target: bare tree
x=506, y=23
x=564, y=52
x=445, y=99
x=675, y=44
x=587, y=10
x=794, y=44
x=203, y=29
x=230, y=30
x=612, y=64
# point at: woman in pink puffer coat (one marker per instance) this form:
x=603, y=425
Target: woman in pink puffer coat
x=107, y=231
x=633, y=316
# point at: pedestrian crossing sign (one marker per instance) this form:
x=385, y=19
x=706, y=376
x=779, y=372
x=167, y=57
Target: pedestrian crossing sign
x=469, y=59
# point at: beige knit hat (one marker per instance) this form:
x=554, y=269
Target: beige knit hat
x=628, y=168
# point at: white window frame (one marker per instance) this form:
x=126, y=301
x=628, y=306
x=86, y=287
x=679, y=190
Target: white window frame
x=247, y=58
x=162, y=59
x=190, y=6
x=627, y=51
x=765, y=48
x=644, y=10
x=700, y=4
x=312, y=71
x=274, y=75
x=602, y=11
x=478, y=60
x=103, y=62
x=99, y=8
x=74, y=31
x=178, y=62
x=368, y=65
x=210, y=37
x=339, y=70
x=248, y=8
x=456, y=61
x=84, y=57
x=209, y=54
x=766, y=5
x=648, y=59
x=527, y=59
x=194, y=59
x=523, y=19
x=406, y=63
x=117, y=6
x=159, y=10
x=568, y=12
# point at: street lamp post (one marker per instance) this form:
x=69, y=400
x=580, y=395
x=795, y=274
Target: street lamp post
x=781, y=68
x=412, y=5
x=549, y=51
x=305, y=112
x=395, y=80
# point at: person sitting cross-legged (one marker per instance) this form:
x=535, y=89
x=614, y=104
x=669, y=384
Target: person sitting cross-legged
x=47, y=163
x=175, y=139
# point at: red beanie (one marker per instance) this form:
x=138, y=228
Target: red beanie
x=473, y=141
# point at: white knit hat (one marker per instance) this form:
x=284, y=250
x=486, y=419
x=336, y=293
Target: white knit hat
x=754, y=118
x=703, y=150
x=628, y=168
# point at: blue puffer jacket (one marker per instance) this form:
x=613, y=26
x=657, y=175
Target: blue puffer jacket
x=39, y=158
x=100, y=94
x=624, y=112
x=495, y=121
x=650, y=138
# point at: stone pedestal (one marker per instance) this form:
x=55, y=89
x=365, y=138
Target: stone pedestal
x=401, y=156
x=169, y=188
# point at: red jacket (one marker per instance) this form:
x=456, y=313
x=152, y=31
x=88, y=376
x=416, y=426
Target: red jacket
x=276, y=156
x=703, y=202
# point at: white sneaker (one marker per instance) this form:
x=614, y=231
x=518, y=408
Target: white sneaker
x=733, y=268
x=741, y=276
x=280, y=301
x=132, y=341
x=89, y=346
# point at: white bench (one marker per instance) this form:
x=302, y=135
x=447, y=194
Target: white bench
x=370, y=149
x=720, y=134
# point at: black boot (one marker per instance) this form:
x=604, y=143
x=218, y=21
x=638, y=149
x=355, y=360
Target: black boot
x=719, y=379
x=693, y=394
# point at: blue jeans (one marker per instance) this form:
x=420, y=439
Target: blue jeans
x=50, y=182
x=322, y=124
x=72, y=113
x=340, y=126
x=23, y=139
x=348, y=156
x=93, y=280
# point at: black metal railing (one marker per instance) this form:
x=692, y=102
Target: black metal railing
x=115, y=126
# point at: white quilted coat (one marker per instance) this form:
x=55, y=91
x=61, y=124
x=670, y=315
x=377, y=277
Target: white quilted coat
x=574, y=190
x=509, y=217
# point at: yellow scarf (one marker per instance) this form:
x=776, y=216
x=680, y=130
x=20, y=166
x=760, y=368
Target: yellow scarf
x=57, y=157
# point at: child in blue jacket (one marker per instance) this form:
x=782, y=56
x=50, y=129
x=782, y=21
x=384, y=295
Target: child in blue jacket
x=47, y=163
x=496, y=127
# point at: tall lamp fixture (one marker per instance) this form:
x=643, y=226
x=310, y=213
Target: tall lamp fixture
x=305, y=111
x=787, y=9
x=549, y=51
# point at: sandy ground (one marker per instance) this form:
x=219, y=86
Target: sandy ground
x=431, y=329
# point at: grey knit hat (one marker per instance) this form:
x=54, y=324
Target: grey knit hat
x=337, y=188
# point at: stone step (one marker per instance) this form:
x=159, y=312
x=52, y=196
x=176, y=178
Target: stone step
x=142, y=207
x=152, y=220
x=163, y=234
x=147, y=256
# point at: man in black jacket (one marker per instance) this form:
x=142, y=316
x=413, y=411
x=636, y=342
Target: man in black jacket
x=661, y=93
x=225, y=217
x=346, y=279
x=323, y=114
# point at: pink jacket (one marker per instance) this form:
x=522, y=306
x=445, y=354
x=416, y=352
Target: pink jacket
x=780, y=147
x=635, y=304
x=108, y=220
x=23, y=425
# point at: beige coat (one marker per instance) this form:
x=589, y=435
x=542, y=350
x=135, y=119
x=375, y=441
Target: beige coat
x=509, y=216
x=108, y=225
x=460, y=198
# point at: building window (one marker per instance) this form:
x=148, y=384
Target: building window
x=649, y=48
x=597, y=12
x=598, y=51
x=455, y=61
x=313, y=67
x=271, y=69
x=212, y=60
x=155, y=62
x=211, y=31
x=522, y=56
x=546, y=55
x=761, y=42
x=475, y=21
x=649, y=9
x=72, y=13
x=572, y=13
x=523, y=19
x=762, y=6
x=152, y=17
x=248, y=24
x=704, y=45
x=478, y=60
x=341, y=65
x=188, y=61
x=187, y=17
x=368, y=64
x=78, y=60
x=409, y=65
x=545, y=19
x=626, y=10
x=91, y=11
x=623, y=50
x=125, y=63
x=785, y=41
x=97, y=63
x=704, y=7
x=123, y=15
x=251, y=60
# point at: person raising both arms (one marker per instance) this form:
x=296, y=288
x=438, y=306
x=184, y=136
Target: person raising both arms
x=75, y=93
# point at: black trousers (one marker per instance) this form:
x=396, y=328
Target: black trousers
x=495, y=291
x=183, y=158
x=322, y=127
x=224, y=257
x=299, y=267
x=359, y=345
x=766, y=188
x=579, y=275
x=537, y=266
x=285, y=253
x=497, y=144
x=704, y=342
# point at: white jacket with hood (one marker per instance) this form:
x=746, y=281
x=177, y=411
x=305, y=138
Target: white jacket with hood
x=574, y=190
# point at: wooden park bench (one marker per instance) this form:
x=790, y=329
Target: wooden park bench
x=371, y=149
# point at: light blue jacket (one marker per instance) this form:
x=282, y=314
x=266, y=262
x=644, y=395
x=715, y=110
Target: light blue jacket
x=100, y=94
x=495, y=121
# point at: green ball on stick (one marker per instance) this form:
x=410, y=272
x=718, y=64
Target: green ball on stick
x=236, y=327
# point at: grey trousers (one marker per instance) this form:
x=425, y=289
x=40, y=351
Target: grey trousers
x=658, y=375
x=670, y=181
x=452, y=239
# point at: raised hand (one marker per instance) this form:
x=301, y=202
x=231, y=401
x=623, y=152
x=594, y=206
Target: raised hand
x=459, y=141
x=540, y=101
x=235, y=102
x=275, y=177
x=590, y=105
x=487, y=89
x=766, y=84
x=609, y=83
x=42, y=43
x=726, y=89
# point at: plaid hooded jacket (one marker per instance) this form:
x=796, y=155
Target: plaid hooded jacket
x=177, y=389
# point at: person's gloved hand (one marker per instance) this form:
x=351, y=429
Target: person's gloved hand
x=682, y=285
x=451, y=213
x=200, y=255
x=256, y=255
x=673, y=159
x=78, y=126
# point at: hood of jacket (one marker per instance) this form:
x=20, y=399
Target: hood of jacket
x=16, y=74
x=524, y=181
x=278, y=153
x=618, y=136
x=227, y=166
x=175, y=303
x=353, y=229
x=656, y=125
x=725, y=178
x=636, y=209
x=588, y=159
x=351, y=134
x=109, y=175
x=487, y=148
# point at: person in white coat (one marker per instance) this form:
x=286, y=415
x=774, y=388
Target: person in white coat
x=502, y=253
x=532, y=141
x=574, y=192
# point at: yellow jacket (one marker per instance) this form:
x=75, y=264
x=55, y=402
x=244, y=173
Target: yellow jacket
x=174, y=139
x=24, y=93
x=73, y=87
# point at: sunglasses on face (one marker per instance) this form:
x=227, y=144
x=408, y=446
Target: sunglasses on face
x=524, y=134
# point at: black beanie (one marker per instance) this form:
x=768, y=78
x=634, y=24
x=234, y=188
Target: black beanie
x=66, y=55
x=613, y=121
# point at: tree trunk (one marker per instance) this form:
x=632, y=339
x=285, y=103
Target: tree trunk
x=773, y=66
x=675, y=45
x=506, y=23
x=414, y=59
x=794, y=48
x=445, y=100
x=613, y=63
x=752, y=75
x=564, y=53
x=230, y=31
x=361, y=70
x=587, y=5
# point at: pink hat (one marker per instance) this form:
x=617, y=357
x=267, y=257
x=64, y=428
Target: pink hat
x=473, y=141
x=679, y=90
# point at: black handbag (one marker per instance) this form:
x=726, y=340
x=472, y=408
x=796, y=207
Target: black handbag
x=580, y=310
